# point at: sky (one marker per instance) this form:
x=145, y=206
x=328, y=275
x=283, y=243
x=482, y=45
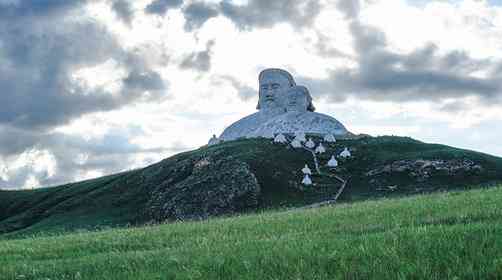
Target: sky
x=94, y=87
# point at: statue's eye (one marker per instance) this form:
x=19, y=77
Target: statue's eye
x=264, y=87
x=275, y=86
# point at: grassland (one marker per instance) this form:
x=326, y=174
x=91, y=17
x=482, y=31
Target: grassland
x=447, y=235
x=124, y=199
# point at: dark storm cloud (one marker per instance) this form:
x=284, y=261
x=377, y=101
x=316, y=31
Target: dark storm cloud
x=160, y=7
x=196, y=14
x=254, y=14
x=424, y=74
x=39, y=56
x=28, y=8
x=123, y=10
x=266, y=13
x=42, y=44
x=199, y=61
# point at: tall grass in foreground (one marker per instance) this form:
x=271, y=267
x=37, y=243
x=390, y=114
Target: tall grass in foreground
x=439, y=236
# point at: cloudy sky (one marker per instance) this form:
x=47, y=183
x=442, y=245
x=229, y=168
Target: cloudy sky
x=92, y=87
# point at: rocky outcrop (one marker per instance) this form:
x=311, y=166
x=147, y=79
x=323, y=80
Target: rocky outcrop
x=210, y=187
x=421, y=169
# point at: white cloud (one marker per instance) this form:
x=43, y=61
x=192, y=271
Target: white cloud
x=201, y=104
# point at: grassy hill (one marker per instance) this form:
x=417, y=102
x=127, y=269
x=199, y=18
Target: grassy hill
x=445, y=235
x=245, y=176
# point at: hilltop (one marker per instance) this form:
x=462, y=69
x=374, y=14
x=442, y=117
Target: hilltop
x=246, y=176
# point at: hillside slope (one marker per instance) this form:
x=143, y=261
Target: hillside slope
x=453, y=235
x=245, y=175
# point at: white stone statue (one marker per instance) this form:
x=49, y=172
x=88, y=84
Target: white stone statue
x=320, y=149
x=284, y=108
x=332, y=162
x=306, y=170
x=306, y=180
x=345, y=153
x=310, y=144
x=213, y=141
x=280, y=138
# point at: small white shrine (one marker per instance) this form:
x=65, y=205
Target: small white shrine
x=345, y=153
x=280, y=138
x=306, y=170
x=332, y=162
x=310, y=144
x=306, y=180
x=320, y=149
x=330, y=138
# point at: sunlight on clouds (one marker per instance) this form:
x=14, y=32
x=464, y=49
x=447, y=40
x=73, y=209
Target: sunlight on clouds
x=89, y=175
x=107, y=76
x=44, y=161
x=31, y=183
x=89, y=126
x=469, y=25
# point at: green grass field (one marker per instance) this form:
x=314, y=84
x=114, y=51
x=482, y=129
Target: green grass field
x=454, y=235
x=128, y=198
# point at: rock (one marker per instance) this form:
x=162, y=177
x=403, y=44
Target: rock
x=224, y=186
x=422, y=169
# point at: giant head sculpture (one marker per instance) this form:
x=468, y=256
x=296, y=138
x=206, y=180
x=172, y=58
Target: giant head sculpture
x=273, y=85
x=299, y=100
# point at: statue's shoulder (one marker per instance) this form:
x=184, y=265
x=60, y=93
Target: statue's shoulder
x=242, y=127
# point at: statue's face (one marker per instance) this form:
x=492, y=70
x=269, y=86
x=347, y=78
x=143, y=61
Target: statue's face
x=297, y=100
x=273, y=87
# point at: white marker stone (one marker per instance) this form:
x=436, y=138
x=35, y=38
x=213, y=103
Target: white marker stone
x=306, y=170
x=310, y=144
x=332, y=162
x=306, y=180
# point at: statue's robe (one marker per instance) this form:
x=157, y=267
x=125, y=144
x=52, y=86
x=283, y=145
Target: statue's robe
x=246, y=126
x=307, y=122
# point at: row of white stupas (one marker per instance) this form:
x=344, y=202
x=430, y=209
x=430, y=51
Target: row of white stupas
x=333, y=163
x=283, y=108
